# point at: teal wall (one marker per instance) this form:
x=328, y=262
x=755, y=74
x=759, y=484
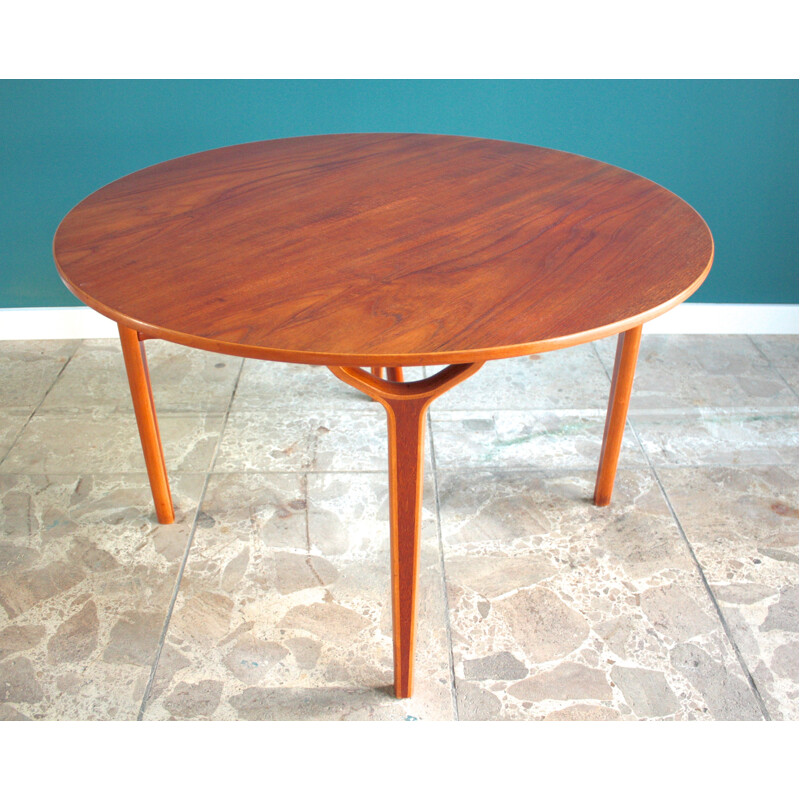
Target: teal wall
x=729, y=148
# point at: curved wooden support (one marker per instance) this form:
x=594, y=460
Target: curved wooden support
x=145, y=410
x=387, y=390
x=405, y=405
x=618, y=401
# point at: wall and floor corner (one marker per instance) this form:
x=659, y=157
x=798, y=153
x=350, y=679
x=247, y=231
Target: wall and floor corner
x=728, y=147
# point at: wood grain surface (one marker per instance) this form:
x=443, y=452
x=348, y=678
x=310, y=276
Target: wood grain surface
x=382, y=250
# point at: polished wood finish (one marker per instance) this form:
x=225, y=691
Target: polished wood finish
x=142, y=395
x=617, y=415
x=405, y=404
x=385, y=251
x=382, y=249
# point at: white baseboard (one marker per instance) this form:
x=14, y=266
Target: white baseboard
x=81, y=322
x=67, y=322
x=727, y=318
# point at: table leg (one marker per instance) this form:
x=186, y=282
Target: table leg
x=406, y=404
x=144, y=408
x=392, y=373
x=618, y=400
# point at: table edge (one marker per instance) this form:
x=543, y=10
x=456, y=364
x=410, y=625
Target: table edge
x=389, y=359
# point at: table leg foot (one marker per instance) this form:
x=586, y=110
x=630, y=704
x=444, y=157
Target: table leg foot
x=406, y=404
x=618, y=400
x=144, y=408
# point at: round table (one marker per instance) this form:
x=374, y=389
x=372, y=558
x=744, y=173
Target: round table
x=383, y=251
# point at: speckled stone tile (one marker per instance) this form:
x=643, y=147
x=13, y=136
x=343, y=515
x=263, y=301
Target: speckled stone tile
x=98, y=441
x=560, y=610
x=675, y=372
x=557, y=610
x=266, y=385
x=284, y=607
x=524, y=439
x=743, y=526
x=29, y=368
x=86, y=578
x=718, y=437
x=569, y=378
x=183, y=379
x=306, y=440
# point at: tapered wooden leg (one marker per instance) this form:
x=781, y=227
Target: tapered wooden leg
x=144, y=408
x=618, y=400
x=392, y=373
x=406, y=404
x=406, y=423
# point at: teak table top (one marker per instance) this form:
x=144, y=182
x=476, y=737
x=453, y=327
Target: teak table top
x=382, y=249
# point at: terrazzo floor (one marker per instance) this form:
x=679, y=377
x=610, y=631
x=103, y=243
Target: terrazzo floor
x=269, y=596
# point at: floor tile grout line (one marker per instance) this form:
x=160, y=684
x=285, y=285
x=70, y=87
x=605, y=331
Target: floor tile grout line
x=753, y=688
x=600, y=359
x=162, y=639
x=442, y=411
x=760, y=350
x=39, y=404
x=707, y=586
x=447, y=627
x=460, y=468
x=772, y=364
x=596, y=411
